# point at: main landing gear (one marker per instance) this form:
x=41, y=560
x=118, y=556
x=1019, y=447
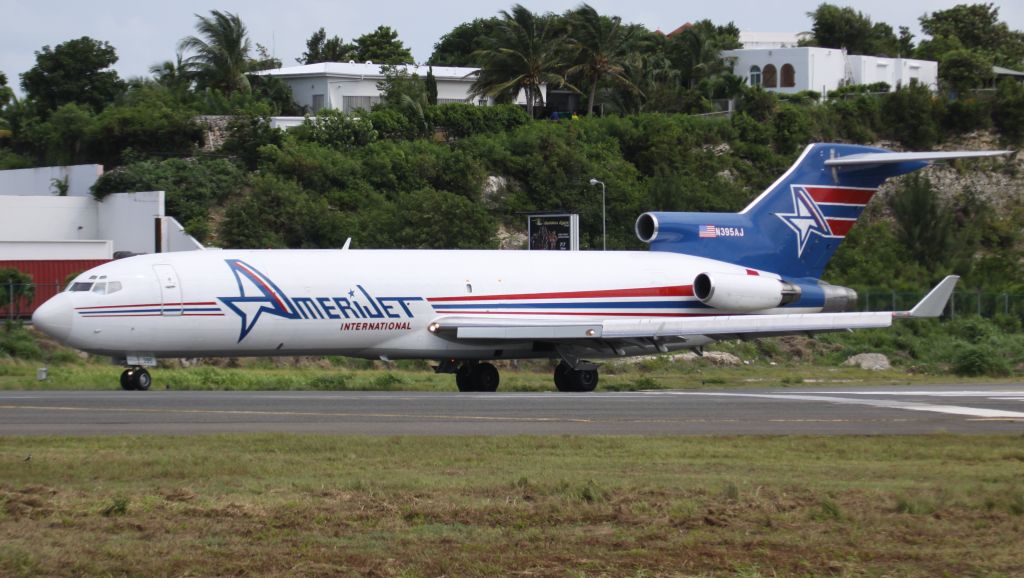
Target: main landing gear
x=574, y=380
x=474, y=376
x=136, y=378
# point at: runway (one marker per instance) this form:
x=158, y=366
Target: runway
x=858, y=411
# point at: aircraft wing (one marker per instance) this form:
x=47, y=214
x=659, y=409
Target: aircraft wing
x=716, y=327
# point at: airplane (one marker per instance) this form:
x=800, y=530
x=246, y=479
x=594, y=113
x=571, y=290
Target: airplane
x=705, y=277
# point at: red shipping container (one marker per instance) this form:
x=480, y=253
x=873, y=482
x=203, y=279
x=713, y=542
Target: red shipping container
x=50, y=278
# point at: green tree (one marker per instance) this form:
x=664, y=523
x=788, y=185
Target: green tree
x=600, y=43
x=431, y=85
x=836, y=27
x=524, y=54
x=906, y=42
x=319, y=48
x=6, y=94
x=696, y=51
x=192, y=187
x=964, y=70
x=382, y=46
x=924, y=222
x=76, y=71
x=173, y=75
x=61, y=139
x=457, y=48
x=221, y=58
x=911, y=116
x=13, y=285
x=1008, y=110
x=977, y=27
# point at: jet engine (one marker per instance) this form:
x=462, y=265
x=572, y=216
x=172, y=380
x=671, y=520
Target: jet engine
x=743, y=292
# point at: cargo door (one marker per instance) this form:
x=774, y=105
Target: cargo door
x=170, y=290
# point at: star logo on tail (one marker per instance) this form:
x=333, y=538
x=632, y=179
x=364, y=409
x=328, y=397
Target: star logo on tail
x=805, y=220
x=257, y=295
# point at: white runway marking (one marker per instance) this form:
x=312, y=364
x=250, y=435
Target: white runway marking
x=882, y=403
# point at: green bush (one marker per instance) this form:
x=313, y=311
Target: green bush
x=979, y=360
x=17, y=342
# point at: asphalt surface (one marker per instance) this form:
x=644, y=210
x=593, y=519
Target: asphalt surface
x=875, y=410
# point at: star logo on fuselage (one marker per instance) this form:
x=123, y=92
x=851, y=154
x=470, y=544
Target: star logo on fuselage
x=257, y=295
x=806, y=219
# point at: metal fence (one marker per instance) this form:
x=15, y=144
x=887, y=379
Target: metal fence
x=22, y=307
x=963, y=302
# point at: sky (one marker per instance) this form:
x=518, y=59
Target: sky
x=146, y=33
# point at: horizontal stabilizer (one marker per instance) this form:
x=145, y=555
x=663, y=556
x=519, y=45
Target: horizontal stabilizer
x=865, y=159
x=934, y=303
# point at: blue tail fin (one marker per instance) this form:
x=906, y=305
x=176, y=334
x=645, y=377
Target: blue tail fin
x=796, y=225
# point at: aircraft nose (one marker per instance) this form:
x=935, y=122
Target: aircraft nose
x=54, y=317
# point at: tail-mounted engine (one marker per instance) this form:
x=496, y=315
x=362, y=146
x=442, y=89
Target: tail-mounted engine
x=755, y=292
x=743, y=292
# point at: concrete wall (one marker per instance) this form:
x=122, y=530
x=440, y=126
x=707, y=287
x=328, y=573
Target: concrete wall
x=87, y=229
x=39, y=181
x=55, y=250
x=128, y=220
x=32, y=218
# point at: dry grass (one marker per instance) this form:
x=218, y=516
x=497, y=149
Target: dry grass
x=326, y=506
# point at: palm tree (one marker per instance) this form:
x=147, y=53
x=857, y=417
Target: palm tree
x=221, y=56
x=172, y=74
x=524, y=54
x=601, y=46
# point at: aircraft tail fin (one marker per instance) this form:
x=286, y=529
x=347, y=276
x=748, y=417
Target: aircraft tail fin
x=795, y=226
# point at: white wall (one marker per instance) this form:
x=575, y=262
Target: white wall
x=82, y=225
x=32, y=218
x=176, y=239
x=128, y=220
x=55, y=250
x=39, y=181
x=817, y=69
x=825, y=69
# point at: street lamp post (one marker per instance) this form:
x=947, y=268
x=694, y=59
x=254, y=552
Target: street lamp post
x=604, y=215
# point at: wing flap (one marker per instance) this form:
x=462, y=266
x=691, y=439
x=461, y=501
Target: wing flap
x=557, y=330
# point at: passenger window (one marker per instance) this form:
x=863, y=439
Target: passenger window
x=113, y=287
x=80, y=286
x=100, y=288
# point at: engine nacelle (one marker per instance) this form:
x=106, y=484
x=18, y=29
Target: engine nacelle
x=743, y=292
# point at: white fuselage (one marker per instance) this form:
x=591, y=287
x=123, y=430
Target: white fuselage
x=362, y=303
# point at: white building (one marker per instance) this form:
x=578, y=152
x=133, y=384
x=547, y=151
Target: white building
x=348, y=86
x=38, y=225
x=792, y=70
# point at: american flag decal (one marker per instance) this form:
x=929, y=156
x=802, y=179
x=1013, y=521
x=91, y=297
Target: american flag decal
x=707, y=232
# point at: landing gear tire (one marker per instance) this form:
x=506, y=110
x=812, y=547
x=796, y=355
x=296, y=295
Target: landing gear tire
x=136, y=378
x=572, y=380
x=141, y=379
x=477, y=377
x=126, y=380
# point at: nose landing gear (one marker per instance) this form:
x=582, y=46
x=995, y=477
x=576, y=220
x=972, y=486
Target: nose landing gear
x=136, y=378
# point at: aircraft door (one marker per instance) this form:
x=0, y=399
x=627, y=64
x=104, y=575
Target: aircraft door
x=170, y=290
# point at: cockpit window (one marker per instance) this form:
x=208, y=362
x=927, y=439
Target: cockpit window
x=81, y=286
x=100, y=288
x=113, y=287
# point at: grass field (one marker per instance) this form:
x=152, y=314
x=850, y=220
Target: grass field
x=657, y=373
x=272, y=505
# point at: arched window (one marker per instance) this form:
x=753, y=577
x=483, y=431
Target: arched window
x=755, y=76
x=788, y=76
x=770, y=77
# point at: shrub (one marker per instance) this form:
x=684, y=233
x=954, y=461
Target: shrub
x=978, y=360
